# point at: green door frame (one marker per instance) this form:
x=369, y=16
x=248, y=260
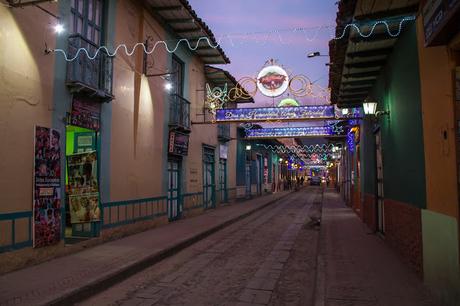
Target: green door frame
x=91, y=229
x=223, y=180
x=209, y=201
x=174, y=189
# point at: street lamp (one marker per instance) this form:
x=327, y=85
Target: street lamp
x=370, y=108
x=315, y=54
x=248, y=147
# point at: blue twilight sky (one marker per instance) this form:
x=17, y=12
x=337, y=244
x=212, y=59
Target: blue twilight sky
x=248, y=53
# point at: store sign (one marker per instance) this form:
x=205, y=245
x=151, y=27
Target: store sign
x=47, y=187
x=284, y=132
x=86, y=114
x=436, y=14
x=223, y=151
x=178, y=143
x=275, y=113
x=272, y=81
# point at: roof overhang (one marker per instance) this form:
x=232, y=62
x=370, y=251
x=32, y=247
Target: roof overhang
x=357, y=60
x=182, y=20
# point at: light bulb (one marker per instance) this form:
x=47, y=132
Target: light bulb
x=58, y=28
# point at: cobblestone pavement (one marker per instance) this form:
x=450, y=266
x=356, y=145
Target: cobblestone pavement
x=268, y=258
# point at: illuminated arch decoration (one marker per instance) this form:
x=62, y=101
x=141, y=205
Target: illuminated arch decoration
x=289, y=132
x=288, y=102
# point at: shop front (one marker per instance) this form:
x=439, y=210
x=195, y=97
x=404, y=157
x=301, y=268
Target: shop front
x=83, y=209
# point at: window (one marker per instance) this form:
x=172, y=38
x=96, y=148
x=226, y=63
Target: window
x=87, y=19
x=177, y=78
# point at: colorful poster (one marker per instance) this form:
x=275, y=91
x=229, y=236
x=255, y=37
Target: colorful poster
x=84, y=208
x=86, y=114
x=82, y=173
x=47, y=184
x=83, y=187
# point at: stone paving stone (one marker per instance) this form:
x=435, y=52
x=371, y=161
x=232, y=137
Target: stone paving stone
x=262, y=283
x=260, y=297
x=274, y=265
x=268, y=273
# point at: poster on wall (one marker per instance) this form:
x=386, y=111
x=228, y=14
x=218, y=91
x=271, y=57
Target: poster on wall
x=47, y=184
x=82, y=173
x=86, y=114
x=84, y=208
x=83, y=188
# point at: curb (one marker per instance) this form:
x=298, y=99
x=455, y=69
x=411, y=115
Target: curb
x=319, y=291
x=115, y=277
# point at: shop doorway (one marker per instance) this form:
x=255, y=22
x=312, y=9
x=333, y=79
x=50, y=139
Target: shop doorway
x=259, y=174
x=174, y=190
x=209, y=187
x=83, y=211
x=223, y=181
x=379, y=174
x=248, y=179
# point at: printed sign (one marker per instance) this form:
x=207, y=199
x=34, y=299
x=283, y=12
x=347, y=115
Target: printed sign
x=47, y=184
x=272, y=81
x=223, y=151
x=178, y=143
x=86, y=114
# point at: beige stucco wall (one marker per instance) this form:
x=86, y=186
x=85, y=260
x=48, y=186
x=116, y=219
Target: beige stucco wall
x=137, y=113
x=201, y=134
x=26, y=100
x=438, y=116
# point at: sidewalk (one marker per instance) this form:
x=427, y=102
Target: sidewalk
x=67, y=279
x=356, y=267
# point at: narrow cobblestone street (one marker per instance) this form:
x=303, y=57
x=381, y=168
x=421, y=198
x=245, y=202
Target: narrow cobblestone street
x=268, y=258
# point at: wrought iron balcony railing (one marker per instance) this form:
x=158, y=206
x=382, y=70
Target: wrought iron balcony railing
x=86, y=74
x=223, y=132
x=179, y=113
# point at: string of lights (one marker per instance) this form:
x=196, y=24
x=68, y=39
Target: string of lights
x=317, y=148
x=242, y=37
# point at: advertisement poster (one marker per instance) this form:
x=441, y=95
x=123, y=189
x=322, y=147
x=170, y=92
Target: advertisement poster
x=83, y=187
x=47, y=184
x=84, y=208
x=86, y=114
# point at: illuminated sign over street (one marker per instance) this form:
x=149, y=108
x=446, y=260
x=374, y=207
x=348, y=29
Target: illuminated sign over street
x=284, y=132
x=275, y=113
